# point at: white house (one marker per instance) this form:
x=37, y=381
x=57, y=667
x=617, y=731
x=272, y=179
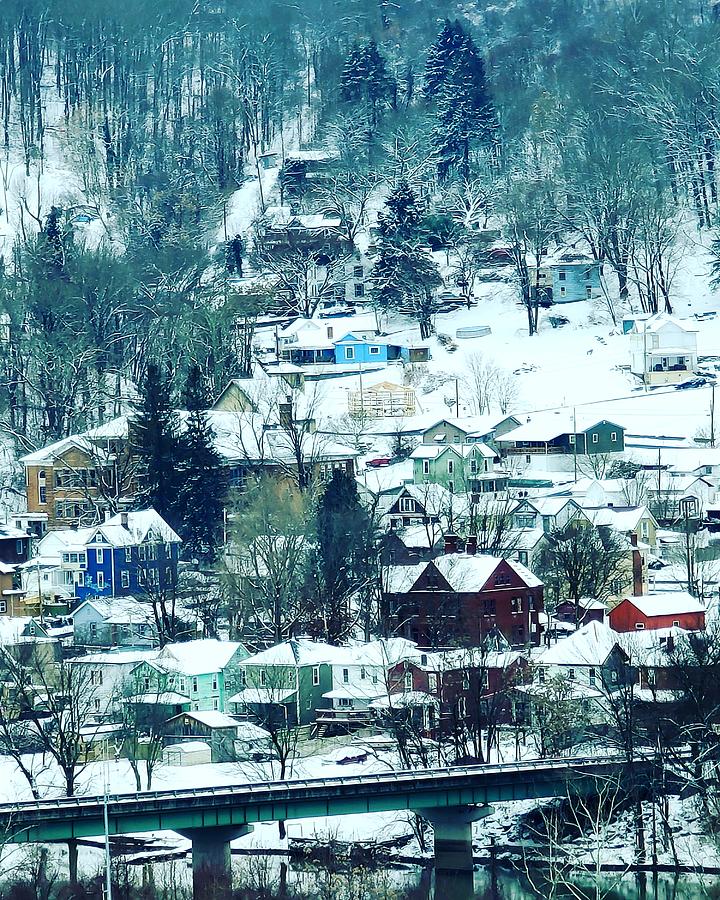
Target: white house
x=106, y=676
x=663, y=350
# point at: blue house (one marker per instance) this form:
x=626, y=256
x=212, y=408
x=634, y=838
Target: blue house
x=354, y=349
x=129, y=554
x=572, y=276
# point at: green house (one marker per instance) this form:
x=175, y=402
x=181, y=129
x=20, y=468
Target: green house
x=458, y=467
x=285, y=682
x=205, y=672
x=561, y=432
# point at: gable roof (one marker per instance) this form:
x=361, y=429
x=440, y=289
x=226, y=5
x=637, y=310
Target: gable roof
x=590, y=645
x=295, y=652
x=200, y=657
x=668, y=603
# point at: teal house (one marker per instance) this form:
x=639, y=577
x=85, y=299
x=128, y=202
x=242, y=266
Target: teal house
x=285, y=683
x=203, y=672
x=458, y=467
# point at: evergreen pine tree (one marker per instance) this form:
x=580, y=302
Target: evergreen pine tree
x=404, y=276
x=344, y=554
x=365, y=79
x=202, y=492
x=155, y=443
x=441, y=57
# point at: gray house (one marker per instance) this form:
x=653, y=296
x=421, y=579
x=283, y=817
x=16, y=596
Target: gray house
x=117, y=622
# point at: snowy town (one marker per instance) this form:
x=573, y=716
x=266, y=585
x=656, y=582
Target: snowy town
x=359, y=455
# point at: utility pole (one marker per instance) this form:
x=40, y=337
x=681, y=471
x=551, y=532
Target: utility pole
x=712, y=415
x=575, y=438
x=457, y=399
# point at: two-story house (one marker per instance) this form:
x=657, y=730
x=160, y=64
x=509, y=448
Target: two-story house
x=559, y=434
x=108, y=676
x=663, y=349
x=129, y=554
x=285, y=683
x=461, y=598
x=205, y=671
x=459, y=467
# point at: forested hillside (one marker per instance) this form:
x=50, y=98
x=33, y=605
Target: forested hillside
x=126, y=129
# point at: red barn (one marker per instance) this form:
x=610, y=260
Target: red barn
x=652, y=611
x=460, y=598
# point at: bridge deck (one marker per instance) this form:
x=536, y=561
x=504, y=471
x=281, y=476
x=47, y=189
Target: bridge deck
x=65, y=818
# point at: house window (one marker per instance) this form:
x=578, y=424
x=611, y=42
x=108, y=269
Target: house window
x=98, y=555
x=614, y=677
x=595, y=438
x=3, y=606
x=42, y=487
x=523, y=557
x=408, y=681
x=357, y=272
x=80, y=579
x=100, y=581
x=423, y=659
x=374, y=351
x=516, y=604
x=216, y=704
x=502, y=580
x=363, y=673
x=128, y=554
x=571, y=674
x=96, y=704
x=359, y=290
x=613, y=436
x=541, y=676
x=195, y=685
x=591, y=676
x=488, y=606
x=676, y=622
x=407, y=505
x=473, y=466
x=182, y=685
x=316, y=675
x=346, y=676
x=214, y=681
x=125, y=579
x=466, y=681
x=450, y=466
x=562, y=291
x=146, y=683
x=93, y=629
x=639, y=626
x=96, y=677
x=451, y=487
x=19, y=547
x=562, y=276
x=349, y=353
x=426, y=467
x=571, y=438
x=588, y=292
x=432, y=683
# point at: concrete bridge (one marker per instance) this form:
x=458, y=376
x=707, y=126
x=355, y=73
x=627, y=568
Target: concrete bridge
x=450, y=798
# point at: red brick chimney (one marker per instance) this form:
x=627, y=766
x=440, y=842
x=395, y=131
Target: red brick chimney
x=451, y=543
x=471, y=545
x=637, y=567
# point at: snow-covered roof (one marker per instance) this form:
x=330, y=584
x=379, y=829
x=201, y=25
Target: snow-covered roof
x=262, y=696
x=139, y=525
x=120, y=610
x=295, y=652
x=116, y=658
x=210, y=718
x=163, y=698
x=590, y=645
x=199, y=657
x=188, y=747
x=667, y=603
x=47, y=455
x=660, y=321
x=354, y=692
x=408, y=698
x=549, y=425
x=468, y=572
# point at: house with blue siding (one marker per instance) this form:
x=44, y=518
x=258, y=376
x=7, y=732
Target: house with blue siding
x=353, y=348
x=131, y=553
x=569, y=276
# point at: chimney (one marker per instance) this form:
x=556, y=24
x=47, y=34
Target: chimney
x=451, y=543
x=124, y=519
x=286, y=412
x=471, y=545
x=107, y=515
x=637, y=566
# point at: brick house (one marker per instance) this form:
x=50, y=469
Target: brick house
x=653, y=611
x=460, y=598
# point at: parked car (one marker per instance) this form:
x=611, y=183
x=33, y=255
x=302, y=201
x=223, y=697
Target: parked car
x=378, y=462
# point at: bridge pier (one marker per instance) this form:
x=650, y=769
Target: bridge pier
x=211, y=862
x=452, y=827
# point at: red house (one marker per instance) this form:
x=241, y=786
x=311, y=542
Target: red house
x=653, y=611
x=459, y=598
